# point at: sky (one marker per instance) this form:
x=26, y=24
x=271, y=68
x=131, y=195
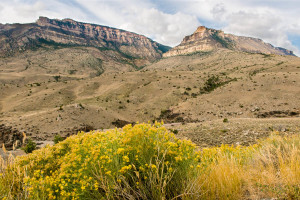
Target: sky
x=168, y=21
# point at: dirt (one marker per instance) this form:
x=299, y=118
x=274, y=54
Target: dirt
x=169, y=89
x=237, y=131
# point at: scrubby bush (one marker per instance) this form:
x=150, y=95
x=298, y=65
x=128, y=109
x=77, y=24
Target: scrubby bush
x=175, y=131
x=30, y=146
x=213, y=82
x=58, y=139
x=140, y=162
x=225, y=120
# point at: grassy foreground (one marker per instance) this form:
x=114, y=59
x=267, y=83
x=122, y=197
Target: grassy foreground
x=147, y=162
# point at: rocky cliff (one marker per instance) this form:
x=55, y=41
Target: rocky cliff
x=19, y=37
x=205, y=39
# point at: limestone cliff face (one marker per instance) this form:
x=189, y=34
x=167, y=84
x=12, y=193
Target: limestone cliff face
x=205, y=39
x=21, y=36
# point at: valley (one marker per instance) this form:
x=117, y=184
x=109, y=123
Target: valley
x=94, y=112
x=60, y=88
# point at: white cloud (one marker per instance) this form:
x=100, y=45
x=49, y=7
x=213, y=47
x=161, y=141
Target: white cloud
x=20, y=11
x=266, y=26
x=218, y=11
x=27, y=10
x=142, y=17
x=165, y=28
x=265, y=23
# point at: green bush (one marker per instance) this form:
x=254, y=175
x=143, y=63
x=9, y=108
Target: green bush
x=30, y=146
x=175, y=131
x=213, y=83
x=58, y=139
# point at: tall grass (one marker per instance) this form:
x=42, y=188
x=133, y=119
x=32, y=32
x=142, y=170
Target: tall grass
x=147, y=162
x=270, y=169
x=275, y=168
x=221, y=172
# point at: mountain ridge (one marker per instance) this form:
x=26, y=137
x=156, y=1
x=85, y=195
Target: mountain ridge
x=19, y=37
x=207, y=39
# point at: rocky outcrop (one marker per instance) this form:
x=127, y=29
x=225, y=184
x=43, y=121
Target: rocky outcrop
x=206, y=39
x=10, y=137
x=278, y=113
x=18, y=37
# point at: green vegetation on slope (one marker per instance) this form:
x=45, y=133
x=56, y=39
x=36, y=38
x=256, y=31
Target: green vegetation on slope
x=213, y=83
x=225, y=42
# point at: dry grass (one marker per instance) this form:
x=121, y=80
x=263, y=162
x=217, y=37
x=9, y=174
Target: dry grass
x=11, y=180
x=269, y=170
x=275, y=169
x=222, y=181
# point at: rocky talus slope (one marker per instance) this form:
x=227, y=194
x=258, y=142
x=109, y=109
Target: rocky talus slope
x=206, y=39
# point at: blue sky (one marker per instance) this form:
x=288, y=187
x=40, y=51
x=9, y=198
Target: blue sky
x=168, y=21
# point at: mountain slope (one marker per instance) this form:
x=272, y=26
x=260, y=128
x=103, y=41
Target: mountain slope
x=56, y=85
x=66, y=48
x=205, y=39
x=18, y=37
x=255, y=85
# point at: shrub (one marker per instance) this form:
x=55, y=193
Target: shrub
x=56, y=78
x=225, y=120
x=30, y=146
x=58, y=139
x=186, y=93
x=139, y=162
x=61, y=108
x=81, y=106
x=213, y=83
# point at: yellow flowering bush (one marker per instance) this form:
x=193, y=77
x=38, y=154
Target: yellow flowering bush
x=147, y=162
x=144, y=161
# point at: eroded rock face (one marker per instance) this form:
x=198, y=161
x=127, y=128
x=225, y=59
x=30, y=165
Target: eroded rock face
x=10, y=137
x=278, y=113
x=15, y=37
x=205, y=39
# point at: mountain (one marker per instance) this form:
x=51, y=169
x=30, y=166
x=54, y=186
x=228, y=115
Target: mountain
x=58, y=77
x=206, y=39
x=20, y=37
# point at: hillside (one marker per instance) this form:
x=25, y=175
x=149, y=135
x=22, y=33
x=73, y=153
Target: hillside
x=58, y=89
x=256, y=85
